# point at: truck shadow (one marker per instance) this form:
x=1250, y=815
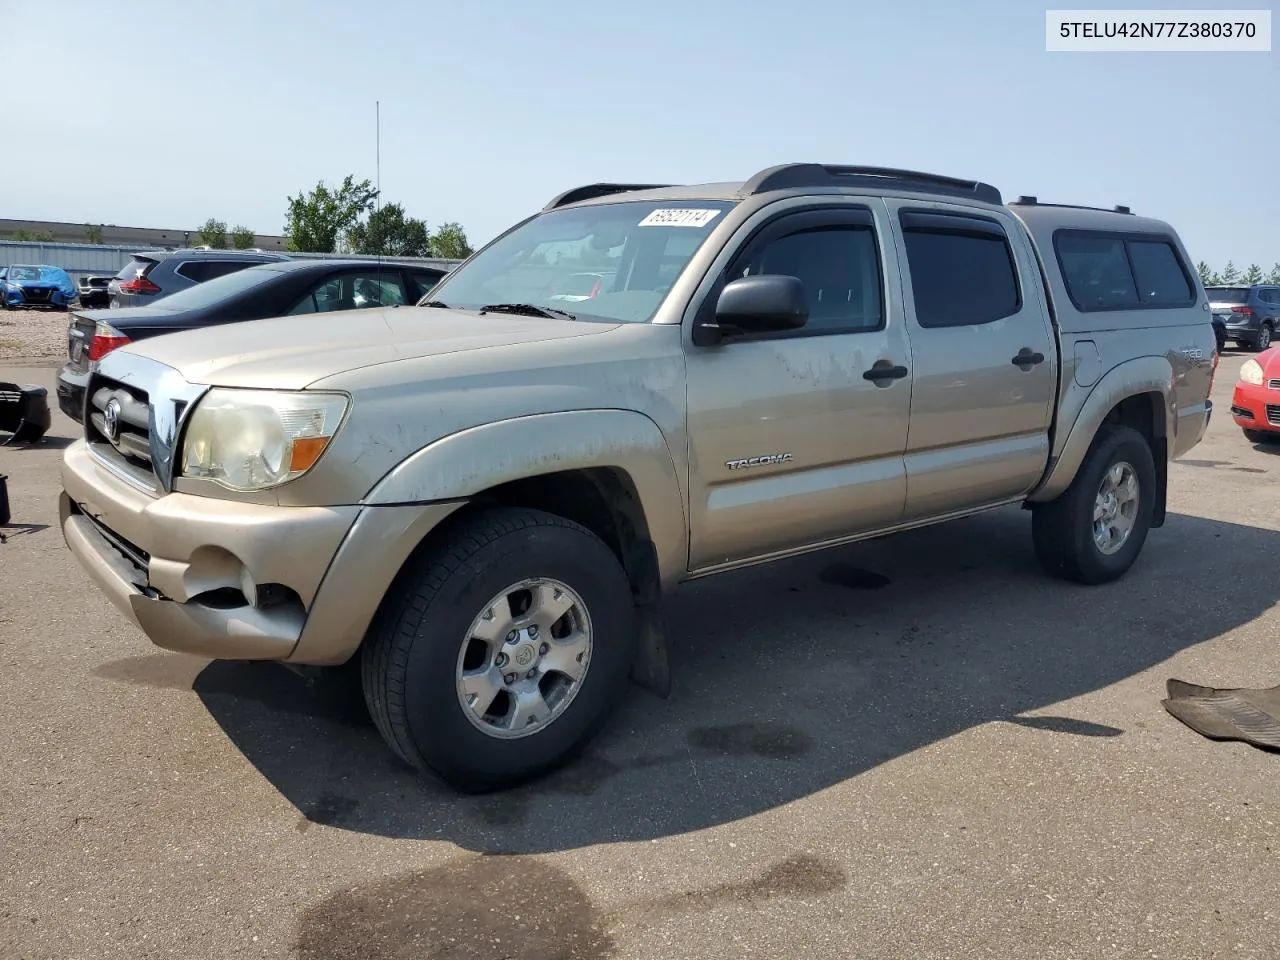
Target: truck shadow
x=788, y=679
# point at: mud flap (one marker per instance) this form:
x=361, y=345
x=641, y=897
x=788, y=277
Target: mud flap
x=651, y=668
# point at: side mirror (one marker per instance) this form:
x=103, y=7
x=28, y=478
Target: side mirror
x=768, y=303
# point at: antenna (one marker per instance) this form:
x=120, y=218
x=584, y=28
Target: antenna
x=377, y=170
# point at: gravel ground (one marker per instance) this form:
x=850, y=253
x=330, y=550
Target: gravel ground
x=920, y=747
x=32, y=337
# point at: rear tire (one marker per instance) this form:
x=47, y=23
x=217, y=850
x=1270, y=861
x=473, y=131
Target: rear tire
x=438, y=662
x=1263, y=340
x=1066, y=530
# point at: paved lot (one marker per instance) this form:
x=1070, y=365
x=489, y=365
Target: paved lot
x=917, y=748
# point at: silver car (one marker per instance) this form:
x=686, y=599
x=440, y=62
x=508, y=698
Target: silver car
x=153, y=275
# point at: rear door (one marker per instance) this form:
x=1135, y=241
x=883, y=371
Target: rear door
x=984, y=358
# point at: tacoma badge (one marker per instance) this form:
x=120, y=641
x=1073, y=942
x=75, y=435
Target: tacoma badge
x=758, y=461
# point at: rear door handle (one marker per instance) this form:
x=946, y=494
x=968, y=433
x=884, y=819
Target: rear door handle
x=1027, y=358
x=884, y=371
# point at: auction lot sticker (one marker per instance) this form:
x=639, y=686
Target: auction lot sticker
x=679, y=218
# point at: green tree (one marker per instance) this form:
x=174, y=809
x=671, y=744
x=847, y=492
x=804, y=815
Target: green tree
x=93, y=232
x=214, y=234
x=1252, y=275
x=1274, y=275
x=450, y=242
x=34, y=236
x=316, y=220
x=389, y=233
x=242, y=237
x=1206, y=275
x=1229, y=273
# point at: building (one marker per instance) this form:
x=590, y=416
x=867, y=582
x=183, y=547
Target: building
x=142, y=238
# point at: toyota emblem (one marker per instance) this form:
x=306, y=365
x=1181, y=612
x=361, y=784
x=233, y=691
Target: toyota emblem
x=111, y=419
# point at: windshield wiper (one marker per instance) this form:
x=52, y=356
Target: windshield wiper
x=527, y=310
x=435, y=303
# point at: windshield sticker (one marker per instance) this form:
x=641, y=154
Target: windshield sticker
x=679, y=218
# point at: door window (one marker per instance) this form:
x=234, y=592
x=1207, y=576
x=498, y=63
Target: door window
x=354, y=291
x=962, y=270
x=839, y=266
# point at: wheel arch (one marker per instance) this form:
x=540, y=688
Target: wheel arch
x=1138, y=394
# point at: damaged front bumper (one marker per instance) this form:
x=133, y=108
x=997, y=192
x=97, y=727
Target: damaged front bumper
x=237, y=581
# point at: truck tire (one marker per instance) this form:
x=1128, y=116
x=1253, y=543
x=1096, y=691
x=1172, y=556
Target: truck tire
x=499, y=652
x=1095, y=530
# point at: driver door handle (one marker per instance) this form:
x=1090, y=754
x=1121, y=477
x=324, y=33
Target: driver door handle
x=883, y=371
x=1027, y=358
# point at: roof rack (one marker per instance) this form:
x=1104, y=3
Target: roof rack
x=592, y=190
x=791, y=175
x=1025, y=201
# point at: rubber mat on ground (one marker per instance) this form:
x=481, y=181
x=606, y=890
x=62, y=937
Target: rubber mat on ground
x=1231, y=714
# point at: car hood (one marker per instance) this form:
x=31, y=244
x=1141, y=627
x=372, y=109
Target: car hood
x=289, y=353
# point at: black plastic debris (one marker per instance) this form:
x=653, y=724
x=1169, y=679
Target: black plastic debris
x=24, y=413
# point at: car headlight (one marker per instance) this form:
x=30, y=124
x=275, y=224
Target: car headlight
x=256, y=439
x=1251, y=372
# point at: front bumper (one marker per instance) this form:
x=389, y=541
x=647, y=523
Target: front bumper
x=56, y=298
x=1256, y=407
x=237, y=581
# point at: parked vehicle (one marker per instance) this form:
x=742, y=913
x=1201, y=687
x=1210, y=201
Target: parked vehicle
x=286, y=288
x=36, y=285
x=1255, y=403
x=93, y=291
x=151, y=276
x=1220, y=332
x=1250, y=313
x=477, y=504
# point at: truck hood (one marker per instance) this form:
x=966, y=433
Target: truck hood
x=288, y=353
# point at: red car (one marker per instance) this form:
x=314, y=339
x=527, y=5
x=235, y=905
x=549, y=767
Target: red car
x=1255, y=405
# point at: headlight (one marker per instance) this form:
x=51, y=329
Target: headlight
x=255, y=439
x=1251, y=372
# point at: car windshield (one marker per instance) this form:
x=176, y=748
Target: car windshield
x=219, y=289
x=1228, y=294
x=23, y=273
x=612, y=261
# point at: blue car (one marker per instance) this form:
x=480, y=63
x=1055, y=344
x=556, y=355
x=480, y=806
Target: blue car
x=28, y=285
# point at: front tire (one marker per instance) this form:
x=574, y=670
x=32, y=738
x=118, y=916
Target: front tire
x=449, y=688
x=1095, y=530
x=1260, y=436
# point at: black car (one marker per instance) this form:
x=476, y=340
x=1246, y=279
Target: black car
x=270, y=290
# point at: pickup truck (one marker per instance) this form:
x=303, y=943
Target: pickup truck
x=476, y=505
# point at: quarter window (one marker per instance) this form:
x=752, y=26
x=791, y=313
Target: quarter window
x=960, y=276
x=839, y=267
x=1117, y=272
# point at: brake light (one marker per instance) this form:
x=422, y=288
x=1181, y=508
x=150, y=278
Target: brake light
x=105, y=339
x=1247, y=311
x=138, y=284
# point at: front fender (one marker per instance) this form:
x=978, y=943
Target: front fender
x=1129, y=379
x=464, y=464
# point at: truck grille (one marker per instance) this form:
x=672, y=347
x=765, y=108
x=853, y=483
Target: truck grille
x=117, y=430
x=1273, y=414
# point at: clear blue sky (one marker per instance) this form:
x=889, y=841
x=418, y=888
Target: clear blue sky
x=164, y=114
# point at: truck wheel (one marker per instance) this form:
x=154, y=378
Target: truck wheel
x=499, y=653
x=1095, y=530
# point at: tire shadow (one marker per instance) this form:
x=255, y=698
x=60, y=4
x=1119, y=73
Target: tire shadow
x=788, y=678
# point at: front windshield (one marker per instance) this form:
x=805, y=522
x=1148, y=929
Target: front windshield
x=218, y=289
x=612, y=261
x=24, y=273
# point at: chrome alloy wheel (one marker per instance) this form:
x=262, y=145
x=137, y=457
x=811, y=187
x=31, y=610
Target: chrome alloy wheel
x=1115, y=511
x=524, y=658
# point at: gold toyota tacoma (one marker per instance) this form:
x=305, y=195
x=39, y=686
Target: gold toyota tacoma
x=478, y=502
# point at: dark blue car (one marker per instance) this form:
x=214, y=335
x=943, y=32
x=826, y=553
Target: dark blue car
x=36, y=285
